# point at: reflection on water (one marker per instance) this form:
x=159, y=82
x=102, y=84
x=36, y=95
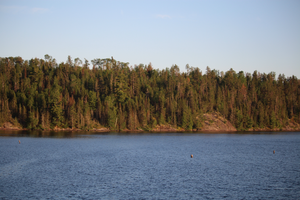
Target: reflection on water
x=89, y=165
x=73, y=134
x=38, y=133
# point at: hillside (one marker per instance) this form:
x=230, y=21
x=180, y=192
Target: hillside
x=214, y=122
x=107, y=94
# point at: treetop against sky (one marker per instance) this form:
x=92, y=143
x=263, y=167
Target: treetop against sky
x=243, y=35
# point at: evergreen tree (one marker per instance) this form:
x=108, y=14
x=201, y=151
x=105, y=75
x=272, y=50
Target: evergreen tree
x=40, y=93
x=55, y=103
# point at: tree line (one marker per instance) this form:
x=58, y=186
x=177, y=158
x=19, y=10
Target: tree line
x=41, y=94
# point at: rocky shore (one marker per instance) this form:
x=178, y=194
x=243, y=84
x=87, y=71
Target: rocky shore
x=212, y=122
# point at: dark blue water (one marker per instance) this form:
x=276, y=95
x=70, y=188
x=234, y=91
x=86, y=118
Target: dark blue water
x=150, y=166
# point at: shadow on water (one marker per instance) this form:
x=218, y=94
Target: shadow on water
x=67, y=134
x=62, y=134
x=38, y=133
x=76, y=134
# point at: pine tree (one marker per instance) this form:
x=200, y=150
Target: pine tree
x=273, y=123
x=41, y=90
x=111, y=113
x=55, y=102
x=32, y=121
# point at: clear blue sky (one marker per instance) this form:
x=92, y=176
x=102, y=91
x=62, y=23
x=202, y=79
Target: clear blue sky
x=245, y=35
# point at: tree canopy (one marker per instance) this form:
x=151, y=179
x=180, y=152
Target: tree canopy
x=41, y=94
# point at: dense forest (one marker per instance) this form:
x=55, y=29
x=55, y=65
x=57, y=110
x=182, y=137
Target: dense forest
x=41, y=94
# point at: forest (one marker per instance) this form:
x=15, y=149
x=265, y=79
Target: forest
x=42, y=94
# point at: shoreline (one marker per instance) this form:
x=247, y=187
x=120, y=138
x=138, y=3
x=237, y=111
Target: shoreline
x=211, y=123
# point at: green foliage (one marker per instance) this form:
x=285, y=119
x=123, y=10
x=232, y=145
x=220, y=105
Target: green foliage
x=153, y=122
x=273, y=121
x=55, y=102
x=111, y=113
x=92, y=100
x=72, y=117
x=32, y=121
x=249, y=122
x=112, y=118
x=187, y=120
x=40, y=93
x=162, y=116
x=121, y=88
x=239, y=120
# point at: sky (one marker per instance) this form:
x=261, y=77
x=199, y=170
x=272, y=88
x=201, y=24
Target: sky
x=245, y=35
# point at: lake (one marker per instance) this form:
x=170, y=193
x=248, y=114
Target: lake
x=85, y=165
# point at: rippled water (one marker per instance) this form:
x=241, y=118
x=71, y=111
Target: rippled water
x=150, y=166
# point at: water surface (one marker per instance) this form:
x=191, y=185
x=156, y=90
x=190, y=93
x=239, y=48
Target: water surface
x=149, y=166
